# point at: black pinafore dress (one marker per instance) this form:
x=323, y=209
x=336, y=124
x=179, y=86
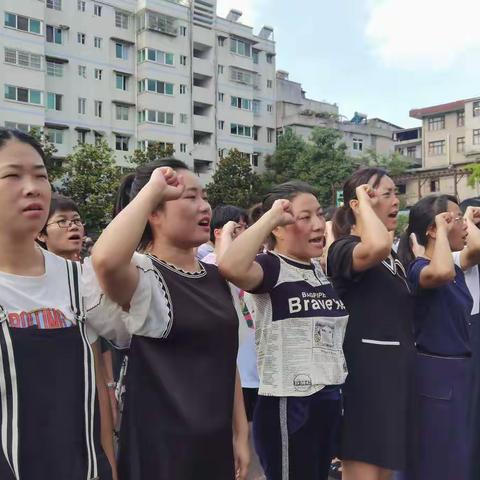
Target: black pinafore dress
x=48, y=424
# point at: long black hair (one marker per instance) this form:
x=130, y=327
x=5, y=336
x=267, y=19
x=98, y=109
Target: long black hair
x=135, y=181
x=422, y=216
x=7, y=134
x=287, y=191
x=344, y=218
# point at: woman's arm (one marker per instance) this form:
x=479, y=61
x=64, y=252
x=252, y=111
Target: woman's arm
x=113, y=251
x=238, y=264
x=106, y=421
x=441, y=268
x=375, y=241
x=470, y=255
x=241, y=447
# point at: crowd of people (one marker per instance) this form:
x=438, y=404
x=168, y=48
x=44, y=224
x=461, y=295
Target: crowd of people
x=314, y=336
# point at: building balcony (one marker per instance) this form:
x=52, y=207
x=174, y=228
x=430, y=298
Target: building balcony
x=203, y=67
x=204, y=95
x=157, y=22
x=204, y=123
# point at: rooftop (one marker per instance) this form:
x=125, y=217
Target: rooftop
x=443, y=108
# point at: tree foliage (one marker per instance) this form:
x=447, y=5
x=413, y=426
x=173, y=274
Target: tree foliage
x=91, y=180
x=474, y=174
x=234, y=182
x=394, y=163
x=154, y=151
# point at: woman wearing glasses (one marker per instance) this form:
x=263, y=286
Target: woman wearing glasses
x=47, y=364
x=379, y=342
x=443, y=327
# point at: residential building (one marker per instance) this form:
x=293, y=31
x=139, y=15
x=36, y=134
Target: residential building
x=450, y=141
x=138, y=71
x=300, y=113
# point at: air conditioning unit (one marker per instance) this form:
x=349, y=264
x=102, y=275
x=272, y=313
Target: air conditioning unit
x=64, y=27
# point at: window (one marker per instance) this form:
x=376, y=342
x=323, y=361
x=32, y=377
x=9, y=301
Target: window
x=98, y=108
x=97, y=42
x=256, y=130
x=183, y=147
x=242, y=103
x=54, y=101
x=436, y=123
x=255, y=56
x=23, y=127
x=460, y=118
x=121, y=143
x=81, y=38
x=55, y=136
x=82, y=71
x=240, y=130
x=82, y=105
x=158, y=22
x=183, y=60
x=411, y=152
x=25, y=95
x=255, y=159
x=155, y=86
x=183, y=31
x=98, y=73
x=270, y=134
x=121, y=19
x=82, y=136
x=121, y=112
x=183, y=89
x=54, y=4
x=54, y=34
x=221, y=41
x=81, y=5
x=476, y=136
x=220, y=69
x=241, y=76
x=165, y=118
x=220, y=96
x=183, y=118
x=434, y=185
x=97, y=10
x=358, y=144
x=221, y=124
x=270, y=57
x=25, y=24
x=269, y=84
x=120, y=81
x=98, y=137
x=121, y=50
x=256, y=106
x=157, y=56
x=270, y=108
x=460, y=144
x=476, y=109
x=23, y=59
x=240, y=47
x=436, y=148
x=54, y=69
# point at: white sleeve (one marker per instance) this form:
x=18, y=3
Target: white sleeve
x=150, y=313
x=456, y=259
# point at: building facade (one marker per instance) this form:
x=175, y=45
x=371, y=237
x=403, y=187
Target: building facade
x=139, y=71
x=302, y=114
x=450, y=141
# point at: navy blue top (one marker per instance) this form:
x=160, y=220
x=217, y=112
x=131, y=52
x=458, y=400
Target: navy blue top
x=442, y=319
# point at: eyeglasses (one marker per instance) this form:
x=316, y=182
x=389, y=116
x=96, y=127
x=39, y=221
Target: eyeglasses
x=64, y=223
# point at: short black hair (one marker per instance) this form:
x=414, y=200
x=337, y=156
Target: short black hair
x=7, y=134
x=222, y=214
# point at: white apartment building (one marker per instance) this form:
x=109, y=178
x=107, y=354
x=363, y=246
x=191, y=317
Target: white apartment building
x=137, y=71
x=302, y=114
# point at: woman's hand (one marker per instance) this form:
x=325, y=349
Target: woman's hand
x=241, y=453
x=281, y=213
x=165, y=184
x=366, y=194
x=444, y=221
x=417, y=249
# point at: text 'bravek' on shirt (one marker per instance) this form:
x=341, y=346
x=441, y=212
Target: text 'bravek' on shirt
x=300, y=324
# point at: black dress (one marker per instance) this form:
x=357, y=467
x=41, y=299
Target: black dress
x=177, y=421
x=379, y=349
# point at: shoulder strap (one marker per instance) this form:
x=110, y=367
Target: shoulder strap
x=78, y=308
x=8, y=397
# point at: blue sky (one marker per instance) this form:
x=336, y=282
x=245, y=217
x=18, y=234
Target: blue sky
x=379, y=57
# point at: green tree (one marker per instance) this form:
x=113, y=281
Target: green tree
x=474, y=174
x=154, y=151
x=324, y=164
x=91, y=180
x=54, y=165
x=234, y=182
x=281, y=165
x=394, y=163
